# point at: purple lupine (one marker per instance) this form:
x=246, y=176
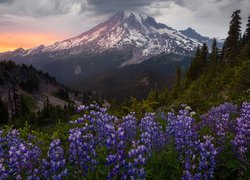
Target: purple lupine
x=18, y=158
x=82, y=152
x=24, y=160
x=241, y=141
x=102, y=122
x=152, y=135
x=116, y=147
x=180, y=128
x=82, y=108
x=3, y=171
x=55, y=165
x=207, y=154
x=219, y=119
x=129, y=124
x=184, y=133
x=137, y=158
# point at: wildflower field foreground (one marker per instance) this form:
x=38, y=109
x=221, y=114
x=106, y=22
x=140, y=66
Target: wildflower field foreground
x=98, y=145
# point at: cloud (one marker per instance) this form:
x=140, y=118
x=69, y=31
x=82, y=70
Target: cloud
x=38, y=8
x=6, y=1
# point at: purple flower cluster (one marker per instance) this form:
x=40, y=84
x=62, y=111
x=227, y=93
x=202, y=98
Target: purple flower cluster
x=3, y=171
x=241, y=141
x=219, y=119
x=137, y=160
x=125, y=145
x=129, y=124
x=55, y=165
x=117, y=154
x=207, y=153
x=82, y=154
x=18, y=158
x=24, y=160
x=180, y=128
x=197, y=157
x=152, y=135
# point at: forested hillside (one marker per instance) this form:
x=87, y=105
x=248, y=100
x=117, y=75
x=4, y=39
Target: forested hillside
x=29, y=95
x=214, y=77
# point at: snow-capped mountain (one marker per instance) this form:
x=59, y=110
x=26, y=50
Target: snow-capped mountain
x=191, y=33
x=140, y=34
x=123, y=40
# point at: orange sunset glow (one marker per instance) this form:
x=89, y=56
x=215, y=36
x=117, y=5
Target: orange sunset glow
x=11, y=41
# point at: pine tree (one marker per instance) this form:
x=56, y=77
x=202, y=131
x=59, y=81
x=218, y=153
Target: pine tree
x=4, y=114
x=193, y=69
x=203, y=58
x=231, y=46
x=214, y=56
x=247, y=33
x=177, y=81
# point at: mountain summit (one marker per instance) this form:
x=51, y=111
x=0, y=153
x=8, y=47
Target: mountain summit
x=141, y=35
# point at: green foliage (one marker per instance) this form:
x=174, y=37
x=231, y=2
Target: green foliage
x=164, y=164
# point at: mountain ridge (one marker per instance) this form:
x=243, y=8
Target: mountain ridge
x=138, y=33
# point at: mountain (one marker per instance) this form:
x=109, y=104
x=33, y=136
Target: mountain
x=191, y=33
x=141, y=36
x=123, y=40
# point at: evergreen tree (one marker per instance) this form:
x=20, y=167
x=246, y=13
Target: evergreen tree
x=246, y=39
x=24, y=109
x=214, y=56
x=231, y=45
x=203, y=58
x=193, y=69
x=177, y=81
x=4, y=114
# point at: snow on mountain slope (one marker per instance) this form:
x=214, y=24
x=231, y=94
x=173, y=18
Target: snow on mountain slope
x=140, y=34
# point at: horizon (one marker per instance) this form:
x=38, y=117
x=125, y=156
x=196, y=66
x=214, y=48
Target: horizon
x=52, y=21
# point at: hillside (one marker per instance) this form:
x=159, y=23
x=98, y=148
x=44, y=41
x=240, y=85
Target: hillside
x=26, y=92
x=213, y=77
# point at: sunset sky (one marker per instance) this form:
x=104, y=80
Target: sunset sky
x=29, y=23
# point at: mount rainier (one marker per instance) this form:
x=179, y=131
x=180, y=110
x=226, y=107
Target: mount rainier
x=123, y=40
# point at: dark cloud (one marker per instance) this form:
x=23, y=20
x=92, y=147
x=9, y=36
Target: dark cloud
x=110, y=5
x=6, y=1
x=40, y=8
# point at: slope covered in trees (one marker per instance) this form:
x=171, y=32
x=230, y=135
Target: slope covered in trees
x=29, y=95
x=213, y=77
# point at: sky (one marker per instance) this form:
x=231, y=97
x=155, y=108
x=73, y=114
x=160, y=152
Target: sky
x=29, y=23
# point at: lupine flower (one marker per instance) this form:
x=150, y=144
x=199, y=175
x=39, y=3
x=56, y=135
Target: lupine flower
x=137, y=158
x=116, y=146
x=152, y=135
x=55, y=165
x=241, y=141
x=219, y=120
x=180, y=128
x=207, y=154
x=129, y=124
x=82, y=153
x=24, y=160
x=3, y=171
